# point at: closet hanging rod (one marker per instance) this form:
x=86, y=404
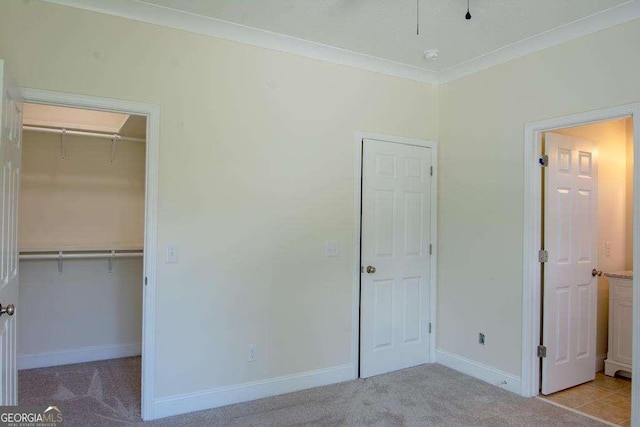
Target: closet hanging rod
x=86, y=255
x=82, y=133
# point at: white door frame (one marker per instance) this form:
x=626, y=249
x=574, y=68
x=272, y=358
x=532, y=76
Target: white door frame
x=531, y=279
x=152, y=112
x=357, y=209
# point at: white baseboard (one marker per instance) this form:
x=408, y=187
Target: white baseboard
x=478, y=370
x=78, y=355
x=189, y=402
x=600, y=362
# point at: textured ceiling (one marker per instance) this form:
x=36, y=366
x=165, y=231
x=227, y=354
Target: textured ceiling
x=387, y=28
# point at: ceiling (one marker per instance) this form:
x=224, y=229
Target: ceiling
x=387, y=29
x=380, y=35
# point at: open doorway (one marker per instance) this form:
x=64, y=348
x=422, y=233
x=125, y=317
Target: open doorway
x=81, y=249
x=586, y=288
x=535, y=264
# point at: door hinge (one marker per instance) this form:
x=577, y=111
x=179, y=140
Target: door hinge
x=430, y=248
x=429, y=327
x=543, y=160
x=543, y=256
x=542, y=351
x=145, y=281
x=431, y=170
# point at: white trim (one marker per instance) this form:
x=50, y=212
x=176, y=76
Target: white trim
x=599, y=21
x=357, y=196
x=172, y=18
x=152, y=112
x=480, y=371
x=532, y=231
x=189, y=402
x=198, y=24
x=78, y=355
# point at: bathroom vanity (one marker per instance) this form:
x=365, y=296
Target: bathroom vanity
x=619, y=356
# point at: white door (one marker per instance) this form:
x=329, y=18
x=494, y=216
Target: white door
x=10, y=150
x=571, y=221
x=396, y=226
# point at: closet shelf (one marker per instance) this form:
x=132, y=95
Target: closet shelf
x=61, y=255
x=79, y=255
x=61, y=131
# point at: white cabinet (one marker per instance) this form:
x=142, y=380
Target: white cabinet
x=619, y=356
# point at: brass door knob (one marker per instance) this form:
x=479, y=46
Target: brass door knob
x=371, y=269
x=595, y=272
x=9, y=309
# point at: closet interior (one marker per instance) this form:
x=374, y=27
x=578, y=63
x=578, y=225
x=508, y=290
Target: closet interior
x=81, y=236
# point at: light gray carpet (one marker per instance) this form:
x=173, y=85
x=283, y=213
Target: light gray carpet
x=108, y=394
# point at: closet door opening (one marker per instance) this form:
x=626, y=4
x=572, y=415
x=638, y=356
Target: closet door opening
x=81, y=236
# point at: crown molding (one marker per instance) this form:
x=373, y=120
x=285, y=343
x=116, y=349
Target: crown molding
x=138, y=10
x=166, y=17
x=602, y=20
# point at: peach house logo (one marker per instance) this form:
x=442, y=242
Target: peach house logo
x=30, y=416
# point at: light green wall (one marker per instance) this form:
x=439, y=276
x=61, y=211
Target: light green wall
x=481, y=179
x=256, y=173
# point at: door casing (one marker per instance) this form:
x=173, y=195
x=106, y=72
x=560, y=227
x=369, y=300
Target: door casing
x=531, y=279
x=357, y=209
x=152, y=113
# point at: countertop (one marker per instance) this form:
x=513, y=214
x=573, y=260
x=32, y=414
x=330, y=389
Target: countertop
x=620, y=274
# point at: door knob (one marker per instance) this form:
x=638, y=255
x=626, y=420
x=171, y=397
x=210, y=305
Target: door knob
x=595, y=272
x=371, y=269
x=9, y=309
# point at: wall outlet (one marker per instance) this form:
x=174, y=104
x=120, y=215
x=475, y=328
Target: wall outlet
x=481, y=338
x=252, y=353
x=172, y=254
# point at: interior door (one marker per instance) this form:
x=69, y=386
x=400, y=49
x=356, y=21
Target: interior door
x=11, y=152
x=571, y=221
x=396, y=227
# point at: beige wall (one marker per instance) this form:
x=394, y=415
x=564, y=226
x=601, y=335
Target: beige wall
x=611, y=139
x=83, y=201
x=66, y=315
x=256, y=173
x=629, y=195
x=481, y=179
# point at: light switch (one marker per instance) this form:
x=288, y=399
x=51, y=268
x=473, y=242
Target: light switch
x=607, y=248
x=172, y=254
x=331, y=249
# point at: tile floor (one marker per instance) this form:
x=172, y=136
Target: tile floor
x=607, y=398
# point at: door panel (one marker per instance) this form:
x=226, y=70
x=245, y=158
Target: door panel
x=396, y=224
x=11, y=158
x=569, y=318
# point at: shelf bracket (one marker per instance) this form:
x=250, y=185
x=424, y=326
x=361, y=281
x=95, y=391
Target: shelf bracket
x=60, y=262
x=113, y=146
x=113, y=255
x=63, y=144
